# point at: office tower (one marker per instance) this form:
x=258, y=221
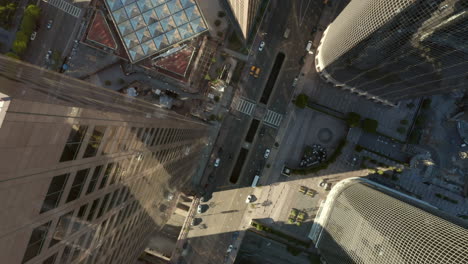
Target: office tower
x=365, y=222
x=242, y=13
x=390, y=50
x=86, y=173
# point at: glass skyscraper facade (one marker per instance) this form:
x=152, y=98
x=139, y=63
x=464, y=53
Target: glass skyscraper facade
x=390, y=50
x=87, y=174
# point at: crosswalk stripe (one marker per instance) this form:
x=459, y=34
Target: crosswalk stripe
x=66, y=7
x=272, y=118
x=245, y=106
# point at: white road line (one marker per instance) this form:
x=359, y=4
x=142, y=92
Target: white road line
x=272, y=118
x=245, y=106
x=66, y=7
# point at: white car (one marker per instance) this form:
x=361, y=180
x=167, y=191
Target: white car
x=199, y=209
x=33, y=35
x=262, y=45
x=230, y=248
x=267, y=153
x=249, y=199
x=217, y=161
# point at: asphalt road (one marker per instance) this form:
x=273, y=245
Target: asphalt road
x=300, y=17
x=58, y=38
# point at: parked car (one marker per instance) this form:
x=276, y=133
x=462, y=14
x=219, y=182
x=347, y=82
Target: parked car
x=33, y=35
x=49, y=52
x=262, y=45
x=49, y=23
x=216, y=163
x=200, y=209
x=267, y=153
x=230, y=248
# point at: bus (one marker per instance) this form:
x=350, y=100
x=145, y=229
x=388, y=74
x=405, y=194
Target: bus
x=255, y=181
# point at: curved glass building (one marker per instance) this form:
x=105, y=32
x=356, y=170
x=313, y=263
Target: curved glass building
x=365, y=222
x=390, y=50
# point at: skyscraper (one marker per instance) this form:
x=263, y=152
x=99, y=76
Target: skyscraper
x=86, y=173
x=389, y=50
x=365, y=222
x=243, y=14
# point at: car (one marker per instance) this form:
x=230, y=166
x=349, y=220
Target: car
x=195, y=221
x=267, y=153
x=463, y=145
x=230, y=248
x=49, y=23
x=216, y=163
x=33, y=35
x=295, y=81
x=200, y=209
x=257, y=72
x=49, y=52
x=252, y=70
x=262, y=45
x=249, y=199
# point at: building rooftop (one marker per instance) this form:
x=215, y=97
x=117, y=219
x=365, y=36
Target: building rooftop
x=177, y=62
x=100, y=33
x=147, y=27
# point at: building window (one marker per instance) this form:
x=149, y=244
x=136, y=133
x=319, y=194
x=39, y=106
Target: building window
x=61, y=229
x=73, y=144
x=65, y=254
x=78, y=221
x=77, y=186
x=93, y=209
x=51, y=259
x=36, y=241
x=94, y=141
x=107, y=173
x=94, y=179
x=103, y=205
x=54, y=193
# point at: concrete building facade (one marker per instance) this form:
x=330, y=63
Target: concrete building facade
x=391, y=50
x=86, y=173
x=365, y=222
x=242, y=13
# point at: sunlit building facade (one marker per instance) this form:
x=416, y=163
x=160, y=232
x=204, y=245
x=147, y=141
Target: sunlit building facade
x=391, y=50
x=86, y=173
x=243, y=13
x=365, y=222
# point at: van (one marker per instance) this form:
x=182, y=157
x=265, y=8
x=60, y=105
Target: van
x=255, y=181
x=309, y=47
x=286, y=33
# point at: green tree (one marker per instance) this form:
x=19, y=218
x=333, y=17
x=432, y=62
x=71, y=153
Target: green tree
x=401, y=130
x=21, y=42
x=28, y=24
x=370, y=125
x=12, y=55
x=353, y=119
x=216, y=98
x=217, y=22
x=32, y=10
x=404, y=122
x=302, y=100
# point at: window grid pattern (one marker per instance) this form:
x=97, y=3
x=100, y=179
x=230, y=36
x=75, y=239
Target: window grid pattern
x=391, y=50
x=367, y=226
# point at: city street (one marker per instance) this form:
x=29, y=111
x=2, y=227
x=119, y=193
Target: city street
x=228, y=212
x=59, y=38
